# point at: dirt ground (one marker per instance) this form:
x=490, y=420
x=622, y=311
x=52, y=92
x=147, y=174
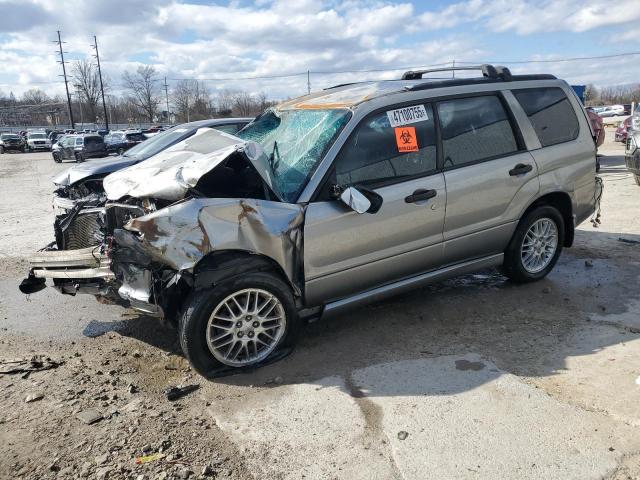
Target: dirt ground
x=470, y=378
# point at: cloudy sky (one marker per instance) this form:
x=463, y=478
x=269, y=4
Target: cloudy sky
x=227, y=41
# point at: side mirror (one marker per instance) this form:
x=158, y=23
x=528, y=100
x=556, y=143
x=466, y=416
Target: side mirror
x=361, y=200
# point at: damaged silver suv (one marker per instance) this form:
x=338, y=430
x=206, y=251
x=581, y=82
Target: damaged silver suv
x=332, y=200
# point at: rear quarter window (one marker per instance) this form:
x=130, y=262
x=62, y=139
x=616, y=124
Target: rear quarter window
x=551, y=114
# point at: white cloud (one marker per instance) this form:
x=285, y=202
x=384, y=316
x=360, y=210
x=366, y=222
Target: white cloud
x=274, y=37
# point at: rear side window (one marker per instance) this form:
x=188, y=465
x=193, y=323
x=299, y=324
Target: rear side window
x=136, y=137
x=93, y=140
x=377, y=152
x=79, y=141
x=550, y=113
x=474, y=129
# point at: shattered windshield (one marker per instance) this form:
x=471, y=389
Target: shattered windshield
x=294, y=142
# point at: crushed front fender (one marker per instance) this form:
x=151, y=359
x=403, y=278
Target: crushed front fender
x=181, y=235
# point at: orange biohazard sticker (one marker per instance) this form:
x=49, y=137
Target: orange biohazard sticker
x=406, y=139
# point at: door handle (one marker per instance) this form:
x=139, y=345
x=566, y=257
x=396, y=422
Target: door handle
x=520, y=169
x=420, y=194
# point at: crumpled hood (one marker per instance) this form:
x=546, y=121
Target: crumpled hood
x=91, y=168
x=170, y=174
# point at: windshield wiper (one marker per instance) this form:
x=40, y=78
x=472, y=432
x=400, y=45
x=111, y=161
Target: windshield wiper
x=273, y=163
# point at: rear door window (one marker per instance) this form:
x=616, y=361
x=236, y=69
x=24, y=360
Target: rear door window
x=475, y=129
x=550, y=113
x=136, y=137
x=379, y=153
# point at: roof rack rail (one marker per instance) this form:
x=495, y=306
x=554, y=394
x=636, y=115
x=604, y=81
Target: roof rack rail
x=497, y=72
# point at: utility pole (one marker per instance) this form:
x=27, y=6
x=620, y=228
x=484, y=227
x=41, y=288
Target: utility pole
x=66, y=85
x=166, y=96
x=308, y=82
x=104, y=105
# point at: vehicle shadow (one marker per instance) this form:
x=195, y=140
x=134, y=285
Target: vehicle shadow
x=526, y=330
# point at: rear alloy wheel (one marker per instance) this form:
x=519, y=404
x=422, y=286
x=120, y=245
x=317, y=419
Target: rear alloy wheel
x=535, y=246
x=239, y=323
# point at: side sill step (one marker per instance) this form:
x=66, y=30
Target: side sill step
x=376, y=294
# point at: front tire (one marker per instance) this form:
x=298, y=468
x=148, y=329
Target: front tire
x=121, y=151
x=238, y=324
x=1, y=150
x=535, y=246
x=56, y=158
x=636, y=178
x=79, y=158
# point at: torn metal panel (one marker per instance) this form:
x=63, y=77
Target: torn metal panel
x=170, y=174
x=179, y=236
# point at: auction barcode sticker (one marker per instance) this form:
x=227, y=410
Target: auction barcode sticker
x=407, y=115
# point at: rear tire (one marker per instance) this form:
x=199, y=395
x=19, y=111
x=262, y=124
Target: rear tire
x=532, y=252
x=1, y=150
x=198, y=336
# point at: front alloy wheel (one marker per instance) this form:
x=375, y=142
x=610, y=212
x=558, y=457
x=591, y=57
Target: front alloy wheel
x=240, y=322
x=245, y=327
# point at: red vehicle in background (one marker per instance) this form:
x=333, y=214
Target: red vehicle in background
x=623, y=130
x=597, y=127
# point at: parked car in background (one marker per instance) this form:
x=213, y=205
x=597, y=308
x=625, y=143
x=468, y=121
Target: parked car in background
x=11, y=142
x=120, y=142
x=623, y=130
x=597, y=126
x=612, y=111
x=333, y=200
x=54, y=135
x=38, y=141
x=81, y=180
x=632, y=147
x=80, y=148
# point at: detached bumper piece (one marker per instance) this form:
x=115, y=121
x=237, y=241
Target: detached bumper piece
x=81, y=264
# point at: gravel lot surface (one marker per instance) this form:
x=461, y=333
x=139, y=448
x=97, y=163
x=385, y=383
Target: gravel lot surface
x=471, y=378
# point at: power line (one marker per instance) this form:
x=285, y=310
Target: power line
x=385, y=68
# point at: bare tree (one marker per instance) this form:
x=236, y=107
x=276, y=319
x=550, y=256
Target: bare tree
x=224, y=102
x=35, y=96
x=143, y=89
x=191, y=100
x=87, y=82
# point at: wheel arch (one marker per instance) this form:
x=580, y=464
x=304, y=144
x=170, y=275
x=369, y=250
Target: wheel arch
x=562, y=202
x=225, y=264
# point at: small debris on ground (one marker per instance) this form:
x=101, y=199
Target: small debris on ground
x=33, y=397
x=402, y=435
x=174, y=393
x=588, y=263
x=546, y=290
x=89, y=416
x=149, y=458
x=27, y=365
